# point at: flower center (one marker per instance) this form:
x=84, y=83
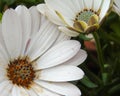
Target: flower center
x=85, y=15
x=21, y=72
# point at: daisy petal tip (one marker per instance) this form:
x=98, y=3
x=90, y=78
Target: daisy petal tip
x=41, y=8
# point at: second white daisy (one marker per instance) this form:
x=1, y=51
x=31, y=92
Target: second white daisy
x=75, y=16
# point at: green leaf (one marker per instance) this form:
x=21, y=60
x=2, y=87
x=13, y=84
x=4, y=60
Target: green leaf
x=9, y=2
x=30, y=1
x=105, y=77
x=0, y=16
x=114, y=89
x=116, y=28
x=88, y=83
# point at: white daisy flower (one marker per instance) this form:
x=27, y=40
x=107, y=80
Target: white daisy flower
x=34, y=60
x=116, y=6
x=75, y=16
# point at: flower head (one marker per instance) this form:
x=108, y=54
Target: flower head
x=75, y=16
x=117, y=6
x=35, y=58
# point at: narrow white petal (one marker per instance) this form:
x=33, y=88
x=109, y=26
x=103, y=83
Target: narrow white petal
x=26, y=24
x=62, y=37
x=43, y=40
x=58, y=54
x=117, y=2
x=51, y=15
x=68, y=6
x=116, y=9
x=31, y=92
x=77, y=4
x=19, y=91
x=3, y=74
x=3, y=85
x=2, y=43
x=68, y=32
x=78, y=59
x=116, y=6
x=60, y=5
x=42, y=91
x=4, y=58
x=1, y=36
x=88, y=3
x=12, y=32
x=42, y=8
x=65, y=89
x=61, y=73
x=6, y=90
x=15, y=91
x=105, y=8
x=36, y=20
x=81, y=4
x=96, y=4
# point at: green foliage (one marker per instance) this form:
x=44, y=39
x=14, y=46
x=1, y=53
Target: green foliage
x=108, y=82
x=88, y=83
x=14, y=3
x=9, y=2
x=0, y=16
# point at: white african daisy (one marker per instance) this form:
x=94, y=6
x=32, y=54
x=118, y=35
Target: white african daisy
x=116, y=6
x=75, y=16
x=36, y=63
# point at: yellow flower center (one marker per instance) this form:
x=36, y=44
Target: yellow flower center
x=86, y=21
x=21, y=72
x=85, y=15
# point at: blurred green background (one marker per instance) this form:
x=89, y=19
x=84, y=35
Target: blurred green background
x=13, y=3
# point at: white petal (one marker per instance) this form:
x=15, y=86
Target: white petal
x=42, y=91
x=58, y=54
x=19, y=91
x=116, y=6
x=12, y=32
x=15, y=91
x=80, y=4
x=105, y=8
x=61, y=73
x=117, y=2
x=43, y=40
x=62, y=37
x=26, y=24
x=68, y=32
x=88, y=3
x=78, y=59
x=2, y=43
x=36, y=20
x=116, y=9
x=3, y=74
x=97, y=4
x=69, y=11
x=6, y=89
x=4, y=58
x=3, y=85
x=51, y=15
x=42, y=8
x=65, y=89
x=1, y=36
x=31, y=92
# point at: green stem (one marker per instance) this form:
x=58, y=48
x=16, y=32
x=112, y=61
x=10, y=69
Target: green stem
x=92, y=75
x=99, y=52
